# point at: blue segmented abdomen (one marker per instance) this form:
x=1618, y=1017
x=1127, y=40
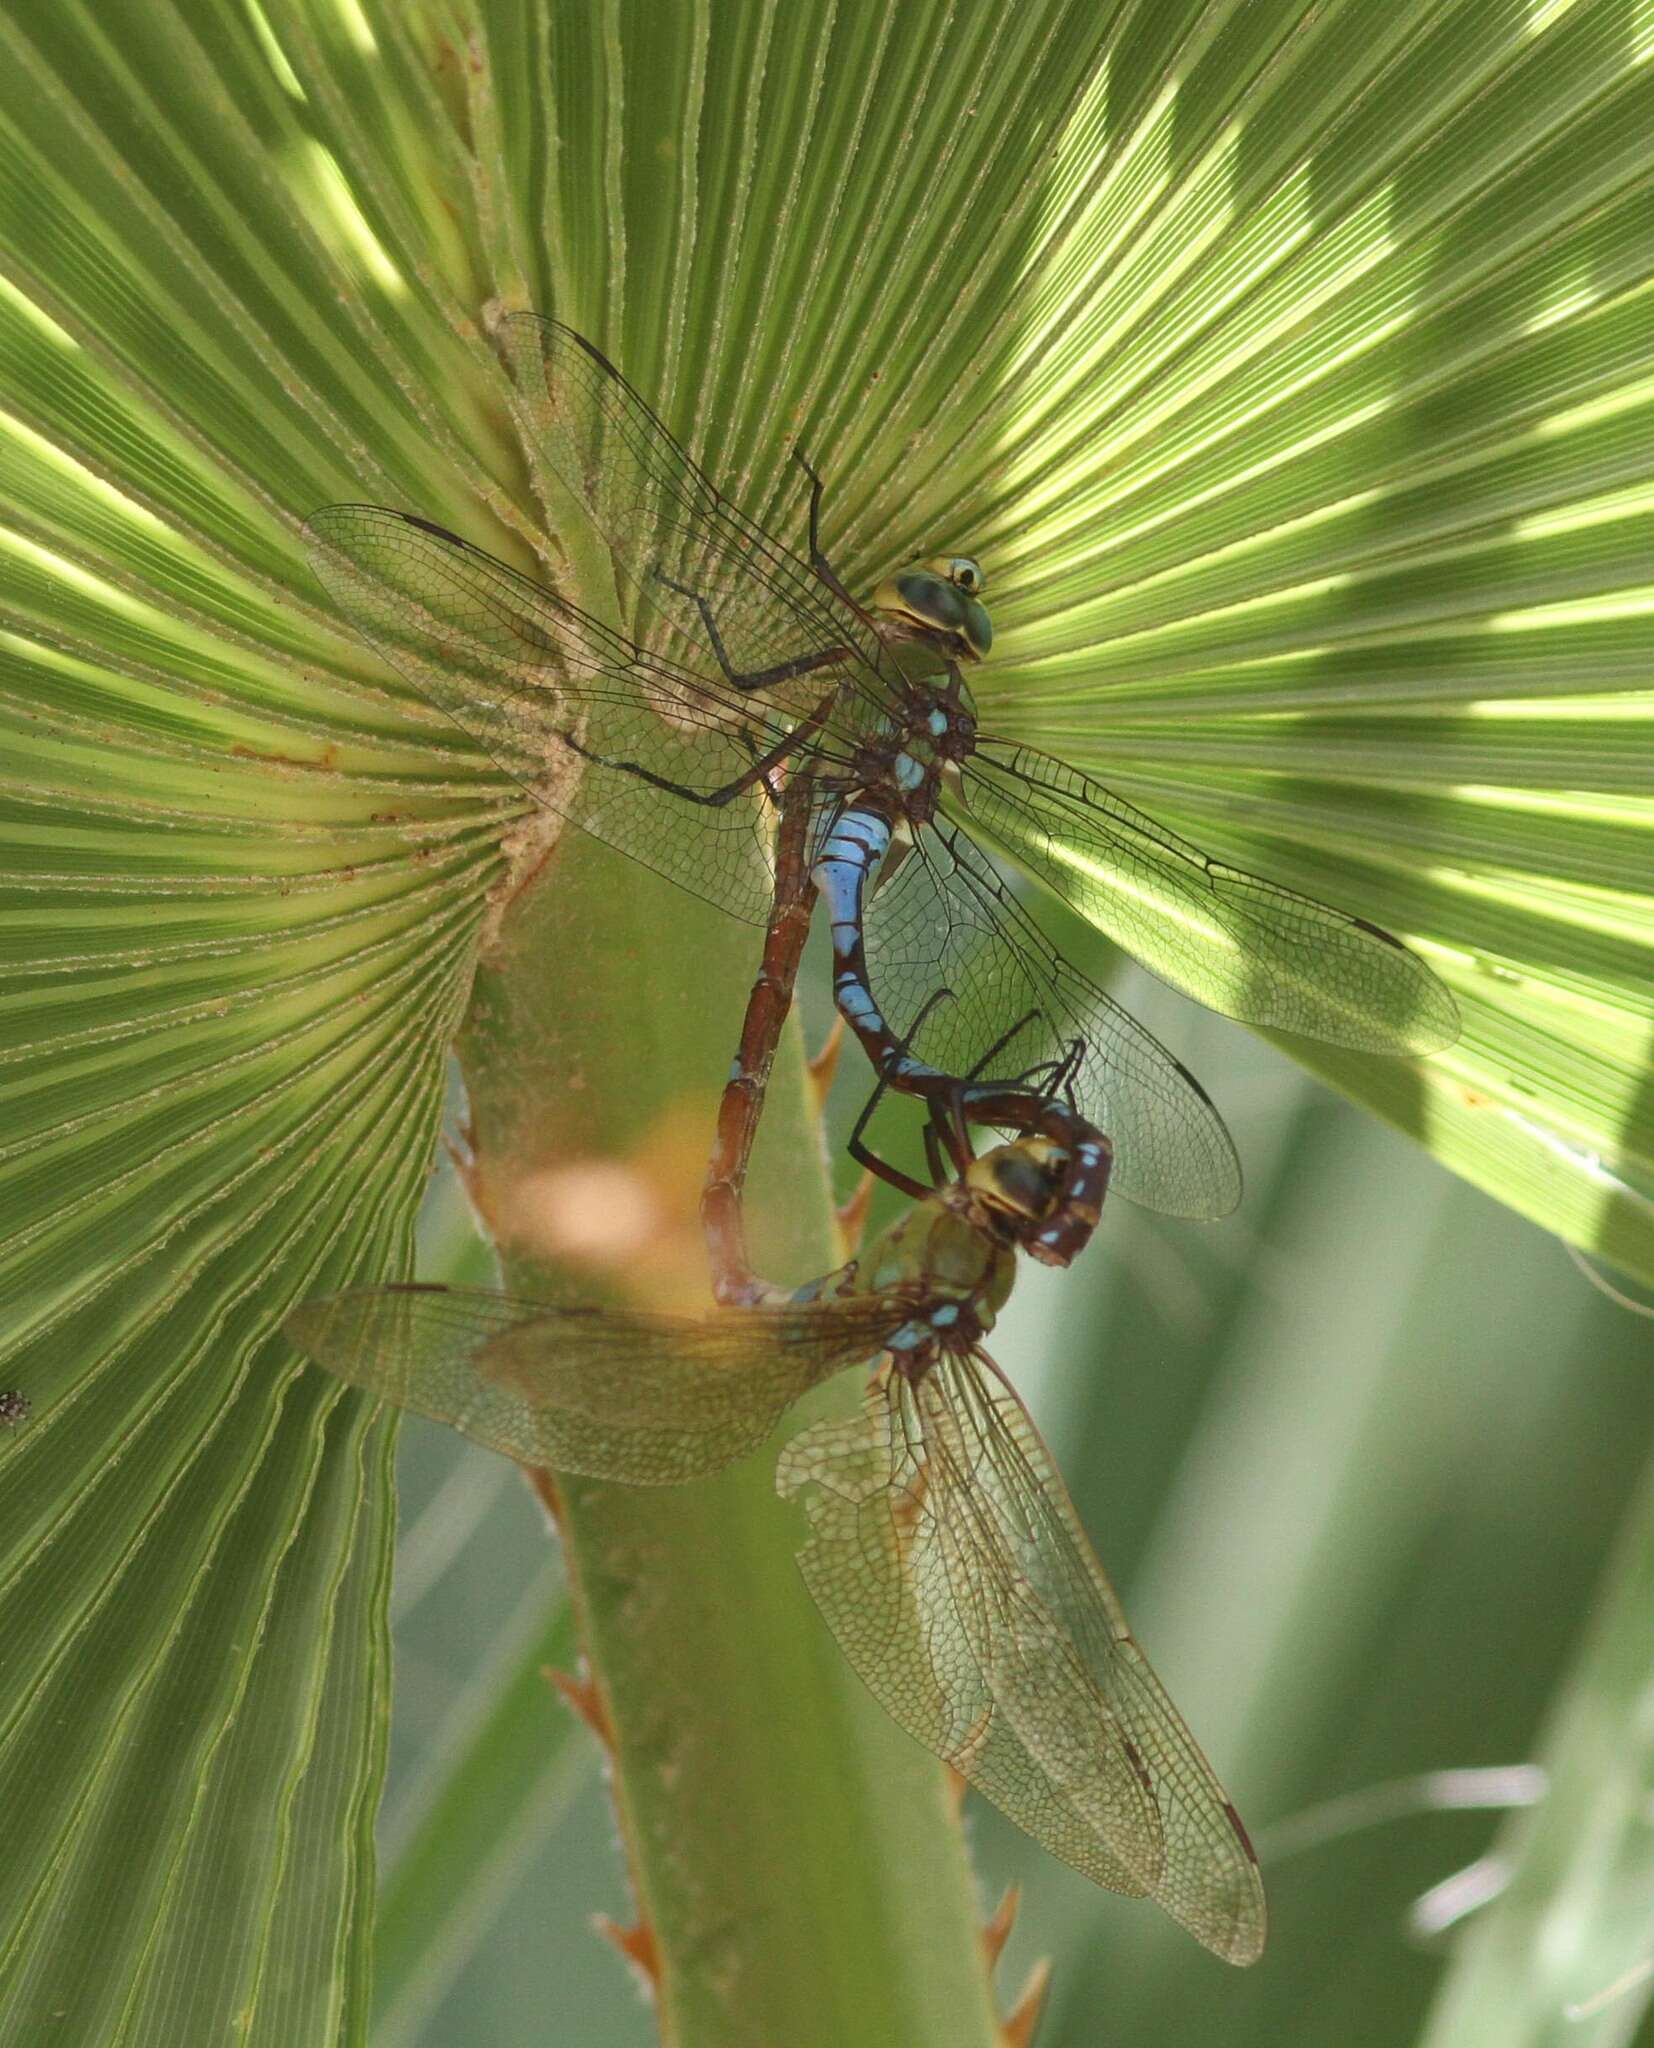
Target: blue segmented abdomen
x=849, y=856
x=857, y=841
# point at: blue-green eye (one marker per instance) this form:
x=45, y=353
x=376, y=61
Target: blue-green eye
x=941, y=595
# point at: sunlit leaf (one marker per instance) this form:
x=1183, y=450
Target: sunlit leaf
x=1285, y=364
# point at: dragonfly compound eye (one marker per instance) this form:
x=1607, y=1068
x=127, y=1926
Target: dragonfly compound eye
x=931, y=598
x=1024, y=1179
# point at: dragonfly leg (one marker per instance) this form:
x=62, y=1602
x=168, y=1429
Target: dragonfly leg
x=864, y=1155
x=946, y=1101
x=946, y=1098
x=818, y=560
x=753, y=777
x=915, y=1190
x=933, y=1153
x=758, y=678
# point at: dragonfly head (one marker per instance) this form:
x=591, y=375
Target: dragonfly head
x=940, y=602
x=1019, y=1185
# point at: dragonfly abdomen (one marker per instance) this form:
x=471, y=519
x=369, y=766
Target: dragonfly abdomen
x=850, y=855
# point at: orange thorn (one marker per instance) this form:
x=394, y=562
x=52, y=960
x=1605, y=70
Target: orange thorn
x=996, y=1931
x=544, y=1489
x=852, y=1215
x=462, y=1157
x=581, y=1696
x=637, y=1945
x=958, y=1786
x=1016, y=2030
x=823, y=1065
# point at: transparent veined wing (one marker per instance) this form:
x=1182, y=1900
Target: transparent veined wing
x=1242, y=945
x=667, y=526
x=948, y=1560
x=613, y=1393
x=582, y=718
x=946, y=920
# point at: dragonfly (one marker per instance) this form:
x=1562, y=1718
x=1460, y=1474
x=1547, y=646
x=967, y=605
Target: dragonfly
x=943, y=1550
x=709, y=666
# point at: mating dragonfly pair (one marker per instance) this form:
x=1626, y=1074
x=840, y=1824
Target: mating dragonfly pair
x=721, y=708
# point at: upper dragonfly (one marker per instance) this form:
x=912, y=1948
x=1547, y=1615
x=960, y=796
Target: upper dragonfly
x=720, y=663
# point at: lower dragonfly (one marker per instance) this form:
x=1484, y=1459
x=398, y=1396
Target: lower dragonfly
x=944, y=1551
x=710, y=661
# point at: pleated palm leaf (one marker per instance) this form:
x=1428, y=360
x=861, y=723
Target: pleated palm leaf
x=1288, y=365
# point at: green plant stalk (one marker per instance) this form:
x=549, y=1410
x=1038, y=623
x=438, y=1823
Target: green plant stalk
x=1562, y=1953
x=797, y=1864
x=516, y=1767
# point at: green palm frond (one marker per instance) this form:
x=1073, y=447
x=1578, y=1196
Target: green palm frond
x=1289, y=366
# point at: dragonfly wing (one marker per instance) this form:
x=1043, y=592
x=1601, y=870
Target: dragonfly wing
x=616, y=1394
x=949, y=1562
x=1209, y=1880
x=915, y=1582
x=665, y=523
x=576, y=714
x=1240, y=944
x=947, y=920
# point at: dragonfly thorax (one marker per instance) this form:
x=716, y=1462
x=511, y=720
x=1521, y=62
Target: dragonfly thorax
x=902, y=766
x=956, y=1276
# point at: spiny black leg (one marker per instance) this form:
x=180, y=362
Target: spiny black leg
x=933, y=1154
x=753, y=679
x=1015, y=1031
x=897, y=1055
x=904, y=1183
x=949, y=1102
x=863, y=1154
x=1052, y=1078
x=714, y=799
x=816, y=490
x=1067, y=1072
x=818, y=561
